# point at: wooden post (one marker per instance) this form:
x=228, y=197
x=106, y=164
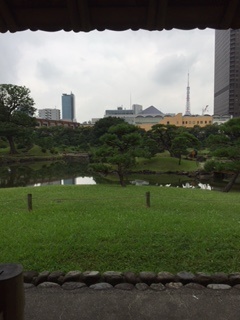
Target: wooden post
x=148, y=199
x=11, y=292
x=29, y=198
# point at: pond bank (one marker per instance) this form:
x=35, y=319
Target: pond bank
x=201, y=174
x=10, y=159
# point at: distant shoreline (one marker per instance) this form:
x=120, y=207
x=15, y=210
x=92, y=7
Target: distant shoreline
x=12, y=159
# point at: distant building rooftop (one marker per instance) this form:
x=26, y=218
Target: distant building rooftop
x=151, y=111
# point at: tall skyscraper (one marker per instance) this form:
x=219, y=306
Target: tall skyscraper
x=68, y=107
x=188, y=111
x=227, y=73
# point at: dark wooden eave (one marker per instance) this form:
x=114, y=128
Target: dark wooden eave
x=87, y=15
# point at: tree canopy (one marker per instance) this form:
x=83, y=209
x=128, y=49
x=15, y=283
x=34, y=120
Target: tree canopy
x=119, y=148
x=16, y=112
x=101, y=127
x=163, y=136
x=225, y=147
x=181, y=143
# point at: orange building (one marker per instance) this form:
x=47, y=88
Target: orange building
x=182, y=121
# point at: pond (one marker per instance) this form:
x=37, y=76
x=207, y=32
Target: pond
x=73, y=173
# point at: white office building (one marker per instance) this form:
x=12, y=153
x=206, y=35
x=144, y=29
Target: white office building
x=49, y=114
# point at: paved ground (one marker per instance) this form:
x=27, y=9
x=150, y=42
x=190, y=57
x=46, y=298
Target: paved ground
x=114, y=304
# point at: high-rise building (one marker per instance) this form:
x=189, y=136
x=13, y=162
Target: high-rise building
x=227, y=73
x=188, y=110
x=50, y=114
x=68, y=107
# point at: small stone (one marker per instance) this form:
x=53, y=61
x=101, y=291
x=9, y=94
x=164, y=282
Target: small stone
x=131, y=277
x=42, y=277
x=54, y=276
x=60, y=280
x=29, y=275
x=157, y=286
x=72, y=276
x=193, y=285
x=174, y=285
x=237, y=286
x=217, y=286
x=73, y=285
x=234, y=278
x=220, y=278
x=148, y=277
x=28, y=285
x=165, y=277
x=125, y=286
x=90, y=277
x=185, y=277
x=113, y=277
x=142, y=286
x=101, y=286
x=49, y=285
x=203, y=278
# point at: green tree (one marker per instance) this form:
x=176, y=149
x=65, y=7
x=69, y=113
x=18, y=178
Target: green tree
x=225, y=149
x=163, y=136
x=119, y=148
x=59, y=136
x=16, y=111
x=217, y=141
x=181, y=143
x=202, y=133
x=101, y=127
x=44, y=137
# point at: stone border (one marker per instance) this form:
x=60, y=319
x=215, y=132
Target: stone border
x=130, y=280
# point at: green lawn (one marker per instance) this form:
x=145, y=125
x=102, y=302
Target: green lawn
x=162, y=162
x=110, y=228
x=35, y=151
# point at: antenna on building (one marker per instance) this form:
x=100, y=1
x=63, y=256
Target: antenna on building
x=187, y=111
x=130, y=100
x=205, y=110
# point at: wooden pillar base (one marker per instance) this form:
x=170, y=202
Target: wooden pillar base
x=11, y=292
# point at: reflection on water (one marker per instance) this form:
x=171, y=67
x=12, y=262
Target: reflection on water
x=71, y=181
x=41, y=174
x=78, y=180
x=85, y=180
x=74, y=173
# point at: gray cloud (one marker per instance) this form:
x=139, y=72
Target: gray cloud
x=47, y=70
x=102, y=69
x=9, y=59
x=171, y=69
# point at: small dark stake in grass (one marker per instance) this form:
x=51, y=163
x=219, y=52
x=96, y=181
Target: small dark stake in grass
x=148, y=199
x=110, y=228
x=29, y=199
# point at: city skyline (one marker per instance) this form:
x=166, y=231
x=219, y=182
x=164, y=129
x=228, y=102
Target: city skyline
x=109, y=69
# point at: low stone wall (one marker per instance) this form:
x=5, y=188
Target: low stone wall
x=130, y=280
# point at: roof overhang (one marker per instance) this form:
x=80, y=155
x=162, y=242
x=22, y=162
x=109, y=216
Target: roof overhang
x=87, y=15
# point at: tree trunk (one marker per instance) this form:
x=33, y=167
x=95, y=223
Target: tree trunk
x=231, y=182
x=179, y=160
x=121, y=178
x=13, y=149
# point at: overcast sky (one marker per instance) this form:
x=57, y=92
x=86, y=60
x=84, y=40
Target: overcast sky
x=109, y=69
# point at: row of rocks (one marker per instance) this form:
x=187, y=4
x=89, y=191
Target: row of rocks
x=129, y=286
x=114, y=278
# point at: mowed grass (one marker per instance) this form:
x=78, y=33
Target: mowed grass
x=110, y=228
x=162, y=162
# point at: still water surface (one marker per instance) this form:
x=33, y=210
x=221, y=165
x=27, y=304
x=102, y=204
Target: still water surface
x=73, y=173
